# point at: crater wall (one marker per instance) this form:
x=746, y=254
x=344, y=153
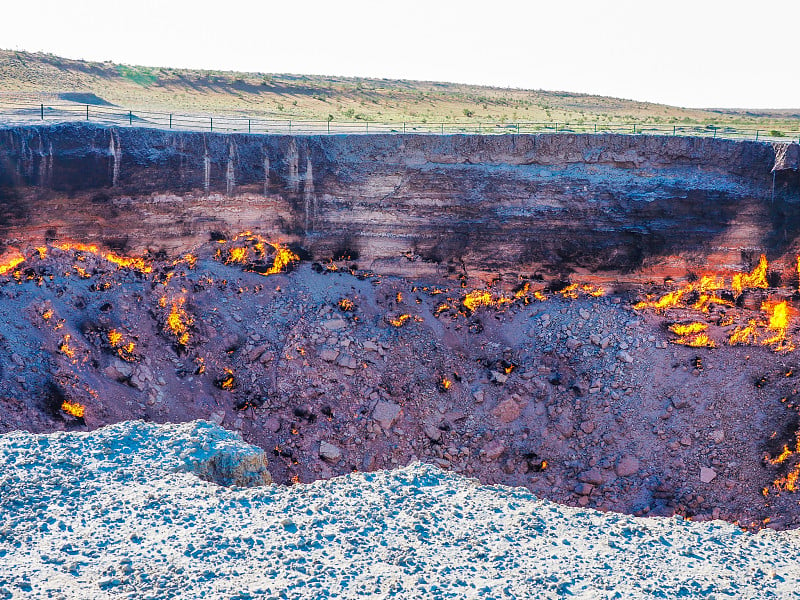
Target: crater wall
x=615, y=207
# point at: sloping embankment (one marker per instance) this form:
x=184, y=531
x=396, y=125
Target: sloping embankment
x=118, y=512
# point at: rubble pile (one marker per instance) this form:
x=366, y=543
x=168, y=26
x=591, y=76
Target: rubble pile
x=579, y=393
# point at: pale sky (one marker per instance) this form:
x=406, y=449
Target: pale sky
x=684, y=52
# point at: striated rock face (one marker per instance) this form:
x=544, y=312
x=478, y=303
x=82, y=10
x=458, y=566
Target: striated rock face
x=610, y=206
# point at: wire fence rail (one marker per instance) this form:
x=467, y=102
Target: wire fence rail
x=112, y=115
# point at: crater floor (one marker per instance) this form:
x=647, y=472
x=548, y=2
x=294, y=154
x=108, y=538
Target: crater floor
x=569, y=392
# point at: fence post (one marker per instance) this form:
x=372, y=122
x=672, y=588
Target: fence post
x=248, y=126
x=87, y=112
x=211, y=119
x=42, y=107
x=367, y=124
x=130, y=117
x=517, y=128
x=674, y=129
x=442, y=128
x=329, y=127
x=404, y=126
x=595, y=127
x=715, y=132
x=756, y=134
x=634, y=128
x=170, y=120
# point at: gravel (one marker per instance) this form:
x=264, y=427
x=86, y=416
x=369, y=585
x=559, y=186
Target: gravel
x=121, y=512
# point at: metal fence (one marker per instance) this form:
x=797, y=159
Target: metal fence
x=18, y=112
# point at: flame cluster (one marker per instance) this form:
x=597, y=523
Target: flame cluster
x=574, y=290
x=65, y=348
x=692, y=334
x=124, y=349
x=9, y=264
x=227, y=381
x=73, y=408
x=790, y=482
x=178, y=321
x=251, y=251
x=477, y=298
x=127, y=262
x=768, y=330
x=399, y=320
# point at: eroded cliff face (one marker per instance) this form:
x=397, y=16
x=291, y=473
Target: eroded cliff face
x=611, y=207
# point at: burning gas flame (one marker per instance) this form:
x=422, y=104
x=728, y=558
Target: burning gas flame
x=256, y=251
x=65, y=348
x=227, y=381
x=477, y=298
x=124, y=350
x=136, y=263
x=128, y=262
x=692, y=335
x=73, y=408
x=757, y=278
x=705, y=288
x=573, y=290
x=399, y=320
x=10, y=264
x=346, y=305
x=283, y=258
x=788, y=482
x=178, y=320
x=772, y=333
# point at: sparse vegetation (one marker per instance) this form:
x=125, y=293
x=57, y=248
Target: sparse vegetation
x=260, y=95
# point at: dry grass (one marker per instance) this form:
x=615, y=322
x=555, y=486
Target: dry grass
x=45, y=77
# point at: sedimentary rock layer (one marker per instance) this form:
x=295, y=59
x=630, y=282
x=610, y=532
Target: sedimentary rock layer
x=616, y=206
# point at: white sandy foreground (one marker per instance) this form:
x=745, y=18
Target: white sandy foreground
x=119, y=512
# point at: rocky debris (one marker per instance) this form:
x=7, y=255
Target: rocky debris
x=717, y=436
x=593, y=476
x=627, y=466
x=432, y=432
x=329, y=452
x=93, y=514
x=493, y=450
x=386, y=413
x=329, y=354
x=624, y=356
x=375, y=391
x=707, y=474
x=508, y=410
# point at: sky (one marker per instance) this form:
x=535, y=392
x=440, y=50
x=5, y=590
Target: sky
x=696, y=53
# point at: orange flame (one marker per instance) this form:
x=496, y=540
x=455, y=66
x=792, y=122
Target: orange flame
x=124, y=350
x=757, y=278
x=399, y=320
x=136, y=263
x=283, y=258
x=228, y=381
x=178, y=320
x=772, y=333
x=11, y=264
x=65, y=348
x=73, y=408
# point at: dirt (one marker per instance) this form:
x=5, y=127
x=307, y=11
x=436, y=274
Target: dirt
x=582, y=399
